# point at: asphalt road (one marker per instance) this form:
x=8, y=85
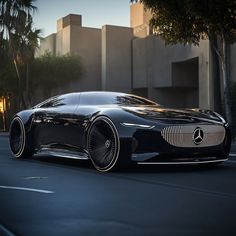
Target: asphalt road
x=49, y=196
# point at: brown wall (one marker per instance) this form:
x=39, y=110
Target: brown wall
x=116, y=58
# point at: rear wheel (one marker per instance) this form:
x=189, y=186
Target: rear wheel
x=103, y=144
x=19, y=143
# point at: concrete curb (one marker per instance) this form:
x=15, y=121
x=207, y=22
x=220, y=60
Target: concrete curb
x=4, y=134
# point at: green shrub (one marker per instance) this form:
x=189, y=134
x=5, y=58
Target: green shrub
x=49, y=72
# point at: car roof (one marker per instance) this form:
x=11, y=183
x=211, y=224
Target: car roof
x=102, y=92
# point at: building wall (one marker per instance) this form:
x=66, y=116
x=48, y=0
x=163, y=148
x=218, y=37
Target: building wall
x=130, y=59
x=232, y=62
x=71, y=19
x=185, y=73
x=152, y=68
x=47, y=45
x=136, y=14
x=116, y=58
x=86, y=42
x=63, y=41
x=64, y=36
x=74, y=39
x=139, y=19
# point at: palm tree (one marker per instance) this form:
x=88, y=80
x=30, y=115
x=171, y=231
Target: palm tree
x=10, y=13
x=16, y=27
x=25, y=42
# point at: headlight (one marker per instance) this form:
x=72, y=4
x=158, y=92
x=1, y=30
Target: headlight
x=142, y=126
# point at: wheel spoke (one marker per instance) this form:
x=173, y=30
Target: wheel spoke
x=99, y=151
x=98, y=135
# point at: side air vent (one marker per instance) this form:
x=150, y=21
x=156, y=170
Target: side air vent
x=194, y=135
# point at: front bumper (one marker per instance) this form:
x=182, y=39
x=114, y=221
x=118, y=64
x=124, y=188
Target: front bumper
x=149, y=146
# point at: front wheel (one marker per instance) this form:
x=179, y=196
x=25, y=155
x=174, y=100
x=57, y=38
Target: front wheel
x=19, y=143
x=103, y=144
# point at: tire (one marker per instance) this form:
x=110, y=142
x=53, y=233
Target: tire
x=19, y=143
x=103, y=144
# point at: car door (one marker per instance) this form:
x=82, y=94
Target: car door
x=55, y=122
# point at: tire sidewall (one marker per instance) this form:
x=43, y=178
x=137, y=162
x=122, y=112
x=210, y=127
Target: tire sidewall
x=19, y=154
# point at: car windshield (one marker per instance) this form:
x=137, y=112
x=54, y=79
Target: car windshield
x=116, y=99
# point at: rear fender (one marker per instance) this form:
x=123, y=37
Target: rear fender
x=27, y=117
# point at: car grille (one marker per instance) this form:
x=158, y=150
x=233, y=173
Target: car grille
x=183, y=135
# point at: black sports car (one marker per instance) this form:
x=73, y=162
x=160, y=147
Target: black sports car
x=113, y=129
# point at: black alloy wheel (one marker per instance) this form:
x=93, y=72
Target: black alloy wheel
x=103, y=144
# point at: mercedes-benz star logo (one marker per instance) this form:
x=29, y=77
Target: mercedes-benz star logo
x=198, y=135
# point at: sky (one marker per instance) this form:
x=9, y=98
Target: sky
x=94, y=13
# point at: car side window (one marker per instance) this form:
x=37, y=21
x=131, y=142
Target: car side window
x=54, y=102
x=95, y=99
x=68, y=99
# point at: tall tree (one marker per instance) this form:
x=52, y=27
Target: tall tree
x=16, y=28
x=25, y=42
x=189, y=21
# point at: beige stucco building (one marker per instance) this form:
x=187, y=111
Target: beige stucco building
x=131, y=59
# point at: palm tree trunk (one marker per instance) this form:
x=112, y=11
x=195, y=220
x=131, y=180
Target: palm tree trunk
x=215, y=73
x=27, y=96
x=225, y=79
x=21, y=102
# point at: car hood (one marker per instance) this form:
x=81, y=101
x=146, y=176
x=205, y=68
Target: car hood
x=173, y=115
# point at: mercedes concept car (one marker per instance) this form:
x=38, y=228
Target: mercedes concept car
x=113, y=129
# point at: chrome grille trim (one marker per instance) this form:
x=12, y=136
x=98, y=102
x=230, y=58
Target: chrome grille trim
x=182, y=135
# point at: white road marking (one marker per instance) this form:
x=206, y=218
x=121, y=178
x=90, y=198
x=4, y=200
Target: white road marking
x=26, y=189
x=5, y=231
x=34, y=177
